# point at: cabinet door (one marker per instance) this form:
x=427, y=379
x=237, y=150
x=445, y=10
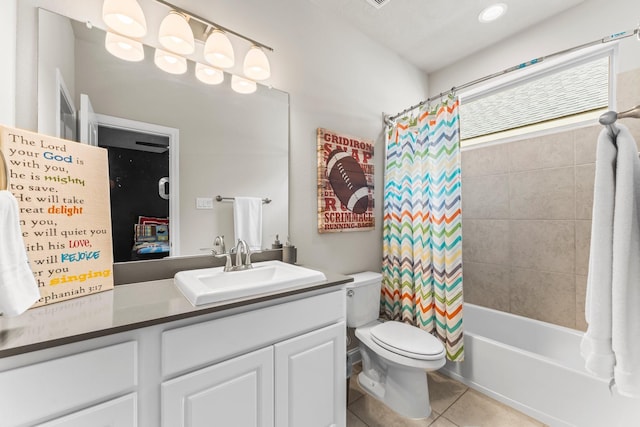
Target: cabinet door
x=119, y=412
x=310, y=379
x=238, y=393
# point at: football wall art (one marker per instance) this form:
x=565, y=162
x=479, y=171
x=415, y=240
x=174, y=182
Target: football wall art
x=345, y=183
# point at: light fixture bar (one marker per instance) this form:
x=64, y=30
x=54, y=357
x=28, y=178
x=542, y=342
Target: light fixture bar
x=213, y=24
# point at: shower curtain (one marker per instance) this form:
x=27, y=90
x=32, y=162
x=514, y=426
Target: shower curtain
x=422, y=230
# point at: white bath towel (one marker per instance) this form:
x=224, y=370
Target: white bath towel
x=611, y=345
x=247, y=221
x=18, y=287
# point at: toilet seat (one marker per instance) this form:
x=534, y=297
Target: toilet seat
x=407, y=340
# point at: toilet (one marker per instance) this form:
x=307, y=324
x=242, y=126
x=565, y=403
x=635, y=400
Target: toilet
x=395, y=355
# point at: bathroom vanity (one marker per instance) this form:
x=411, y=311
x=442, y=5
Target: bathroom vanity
x=142, y=355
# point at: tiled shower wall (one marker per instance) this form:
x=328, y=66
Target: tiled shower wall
x=526, y=208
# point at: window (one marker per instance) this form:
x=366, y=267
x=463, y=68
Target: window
x=575, y=90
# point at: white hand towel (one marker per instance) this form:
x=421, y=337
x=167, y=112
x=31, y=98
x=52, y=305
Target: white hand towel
x=18, y=287
x=247, y=221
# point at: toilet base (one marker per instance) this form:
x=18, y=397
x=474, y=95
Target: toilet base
x=404, y=390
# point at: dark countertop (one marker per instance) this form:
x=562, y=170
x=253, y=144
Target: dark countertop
x=126, y=307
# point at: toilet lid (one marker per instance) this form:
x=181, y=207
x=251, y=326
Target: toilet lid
x=407, y=340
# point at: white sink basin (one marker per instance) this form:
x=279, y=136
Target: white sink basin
x=210, y=285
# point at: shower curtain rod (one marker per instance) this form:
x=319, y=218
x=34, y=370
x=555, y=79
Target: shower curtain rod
x=617, y=36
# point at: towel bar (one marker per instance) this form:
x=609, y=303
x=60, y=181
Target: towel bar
x=220, y=199
x=4, y=173
x=609, y=118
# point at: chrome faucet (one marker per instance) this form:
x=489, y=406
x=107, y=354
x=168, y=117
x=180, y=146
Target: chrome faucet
x=241, y=247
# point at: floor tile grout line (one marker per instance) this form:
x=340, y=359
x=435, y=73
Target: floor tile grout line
x=454, y=402
x=363, y=421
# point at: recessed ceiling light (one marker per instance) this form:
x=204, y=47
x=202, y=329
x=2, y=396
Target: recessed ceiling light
x=492, y=12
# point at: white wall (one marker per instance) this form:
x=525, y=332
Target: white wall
x=8, y=25
x=337, y=79
x=54, y=27
x=589, y=21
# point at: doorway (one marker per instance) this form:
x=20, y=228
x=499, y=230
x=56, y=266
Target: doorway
x=143, y=202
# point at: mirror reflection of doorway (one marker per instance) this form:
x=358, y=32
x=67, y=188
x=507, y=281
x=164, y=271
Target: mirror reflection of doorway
x=142, y=158
x=139, y=181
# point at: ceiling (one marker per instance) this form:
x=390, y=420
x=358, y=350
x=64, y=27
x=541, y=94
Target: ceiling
x=432, y=34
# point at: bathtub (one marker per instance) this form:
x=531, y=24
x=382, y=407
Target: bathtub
x=536, y=368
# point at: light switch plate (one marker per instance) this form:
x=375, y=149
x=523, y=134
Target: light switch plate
x=204, y=203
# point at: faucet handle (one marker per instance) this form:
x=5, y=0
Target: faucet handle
x=228, y=265
x=218, y=242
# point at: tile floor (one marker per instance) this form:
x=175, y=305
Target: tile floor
x=453, y=404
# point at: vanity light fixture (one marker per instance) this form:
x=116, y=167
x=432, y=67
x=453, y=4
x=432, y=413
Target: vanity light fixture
x=176, y=35
x=256, y=65
x=218, y=50
x=170, y=62
x=209, y=75
x=242, y=85
x=124, y=48
x=125, y=20
x=493, y=12
x=124, y=17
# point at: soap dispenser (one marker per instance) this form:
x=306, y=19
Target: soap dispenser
x=289, y=252
x=276, y=244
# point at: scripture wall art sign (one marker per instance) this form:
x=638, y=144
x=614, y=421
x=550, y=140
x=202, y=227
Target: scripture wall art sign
x=345, y=183
x=62, y=188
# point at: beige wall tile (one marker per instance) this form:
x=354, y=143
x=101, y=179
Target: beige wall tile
x=628, y=96
x=583, y=242
x=543, y=245
x=550, y=297
x=581, y=296
x=485, y=197
x=585, y=178
x=485, y=160
x=549, y=151
x=487, y=285
x=542, y=194
x=485, y=240
x=586, y=141
x=628, y=90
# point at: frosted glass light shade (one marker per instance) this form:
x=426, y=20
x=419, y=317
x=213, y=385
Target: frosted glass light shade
x=256, y=65
x=124, y=48
x=218, y=50
x=170, y=62
x=242, y=85
x=209, y=75
x=124, y=17
x=176, y=35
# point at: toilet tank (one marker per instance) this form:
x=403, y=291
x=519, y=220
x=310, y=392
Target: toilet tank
x=363, y=298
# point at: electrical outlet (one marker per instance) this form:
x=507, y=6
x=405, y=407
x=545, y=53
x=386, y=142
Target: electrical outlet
x=204, y=203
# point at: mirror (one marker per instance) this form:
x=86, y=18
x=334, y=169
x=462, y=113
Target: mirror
x=226, y=143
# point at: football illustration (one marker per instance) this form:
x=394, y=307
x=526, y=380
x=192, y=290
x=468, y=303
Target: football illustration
x=348, y=181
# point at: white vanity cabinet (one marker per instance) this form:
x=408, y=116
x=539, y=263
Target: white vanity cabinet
x=274, y=362
x=59, y=383
x=120, y=412
x=295, y=378
x=310, y=379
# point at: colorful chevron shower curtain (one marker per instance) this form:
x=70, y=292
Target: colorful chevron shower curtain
x=422, y=234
